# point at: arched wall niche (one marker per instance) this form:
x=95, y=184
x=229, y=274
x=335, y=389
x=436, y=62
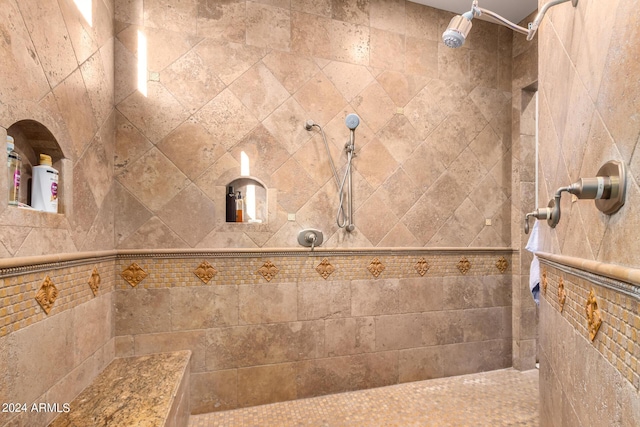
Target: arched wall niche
x=33, y=138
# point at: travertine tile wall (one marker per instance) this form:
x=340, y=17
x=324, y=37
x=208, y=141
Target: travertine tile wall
x=589, y=99
x=433, y=158
x=588, y=115
x=299, y=335
x=525, y=78
x=583, y=382
x=50, y=358
x=58, y=69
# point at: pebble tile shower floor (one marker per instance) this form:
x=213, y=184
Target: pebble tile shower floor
x=498, y=398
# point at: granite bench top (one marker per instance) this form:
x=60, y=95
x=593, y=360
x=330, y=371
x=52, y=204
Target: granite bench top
x=133, y=391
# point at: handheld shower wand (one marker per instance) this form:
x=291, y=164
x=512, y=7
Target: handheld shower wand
x=352, y=121
x=343, y=220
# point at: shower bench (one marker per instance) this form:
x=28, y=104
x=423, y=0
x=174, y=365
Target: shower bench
x=151, y=390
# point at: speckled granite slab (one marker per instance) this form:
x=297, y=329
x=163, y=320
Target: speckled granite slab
x=133, y=391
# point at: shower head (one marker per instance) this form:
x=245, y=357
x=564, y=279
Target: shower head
x=352, y=121
x=458, y=29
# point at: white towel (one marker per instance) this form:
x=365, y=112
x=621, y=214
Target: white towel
x=533, y=245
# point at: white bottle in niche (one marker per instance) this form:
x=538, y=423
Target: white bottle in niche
x=44, y=193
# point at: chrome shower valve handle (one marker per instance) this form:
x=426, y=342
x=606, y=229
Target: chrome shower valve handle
x=550, y=213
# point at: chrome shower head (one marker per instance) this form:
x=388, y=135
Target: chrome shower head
x=458, y=29
x=352, y=121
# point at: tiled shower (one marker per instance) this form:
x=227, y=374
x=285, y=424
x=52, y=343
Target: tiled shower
x=159, y=105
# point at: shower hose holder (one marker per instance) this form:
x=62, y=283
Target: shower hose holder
x=607, y=189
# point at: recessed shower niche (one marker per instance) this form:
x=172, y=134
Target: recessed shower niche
x=31, y=140
x=249, y=196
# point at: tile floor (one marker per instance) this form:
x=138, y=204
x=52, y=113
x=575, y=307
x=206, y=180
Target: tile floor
x=498, y=398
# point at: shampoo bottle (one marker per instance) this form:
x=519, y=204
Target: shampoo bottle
x=13, y=165
x=231, y=205
x=239, y=207
x=44, y=194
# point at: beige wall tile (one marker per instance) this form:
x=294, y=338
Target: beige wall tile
x=373, y=297
x=268, y=26
x=349, y=335
x=320, y=99
x=324, y=300
x=267, y=303
x=266, y=384
x=214, y=391
x=142, y=310
x=170, y=15
x=291, y=70
x=349, y=42
x=203, y=307
x=262, y=344
x=222, y=20
x=50, y=37
x=398, y=331
x=310, y=35
x=259, y=91
x=339, y=374
x=349, y=79
x=351, y=11
x=419, y=364
x=191, y=81
x=153, y=179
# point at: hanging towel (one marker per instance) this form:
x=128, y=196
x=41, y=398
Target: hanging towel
x=534, y=245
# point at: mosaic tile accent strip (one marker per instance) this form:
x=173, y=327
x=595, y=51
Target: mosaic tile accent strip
x=617, y=338
x=169, y=272
x=268, y=271
x=205, y=272
x=545, y=281
x=94, y=281
x=422, y=266
x=562, y=294
x=325, y=268
x=502, y=264
x=134, y=274
x=594, y=318
x=19, y=308
x=464, y=265
x=47, y=295
x=376, y=267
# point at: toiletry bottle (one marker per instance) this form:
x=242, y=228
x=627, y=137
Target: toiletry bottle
x=231, y=205
x=44, y=193
x=13, y=165
x=239, y=207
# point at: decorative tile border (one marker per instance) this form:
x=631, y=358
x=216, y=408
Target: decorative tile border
x=464, y=265
x=205, y=272
x=268, y=271
x=325, y=269
x=47, y=295
x=422, y=266
x=94, y=281
x=600, y=309
x=375, y=267
x=562, y=295
x=19, y=307
x=133, y=274
x=594, y=318
x=502, y=264
x=20, y=279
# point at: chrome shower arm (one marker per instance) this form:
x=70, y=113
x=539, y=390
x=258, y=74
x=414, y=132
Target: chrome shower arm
x=505, y=21
x=533, y=27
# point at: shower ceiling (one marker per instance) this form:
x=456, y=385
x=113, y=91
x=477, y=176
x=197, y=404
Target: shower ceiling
x=514, y=10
